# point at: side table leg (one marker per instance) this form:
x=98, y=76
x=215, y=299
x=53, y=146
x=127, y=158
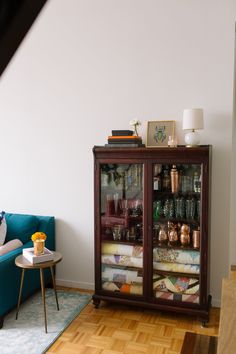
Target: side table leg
x=54, y=286
x=20, y=291
x=43, y=297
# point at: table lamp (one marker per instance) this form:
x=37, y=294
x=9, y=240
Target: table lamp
x=192, y=120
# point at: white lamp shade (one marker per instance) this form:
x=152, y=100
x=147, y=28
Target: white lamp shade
x=193, y=119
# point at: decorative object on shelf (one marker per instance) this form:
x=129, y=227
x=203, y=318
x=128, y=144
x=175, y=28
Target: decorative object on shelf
x=185, y=235
x=162, y=236
x=38, y=239
x=135, y=123
x=172, y=142
x=174, y=174
x=172, y=234
x=192, y=120
x=158, y=133
x=196, y=238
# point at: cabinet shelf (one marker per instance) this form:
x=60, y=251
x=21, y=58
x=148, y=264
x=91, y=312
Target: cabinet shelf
x=121, y=242
x=123, y=267
x=164, y=220
x=163, y=193
x=177, y=247
x=176, y=274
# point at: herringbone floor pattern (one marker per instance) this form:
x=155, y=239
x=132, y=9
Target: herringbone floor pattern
x=116, y=329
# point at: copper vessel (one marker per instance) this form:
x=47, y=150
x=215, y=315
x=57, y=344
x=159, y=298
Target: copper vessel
x=172, y=233
x=162, y=236
x=173, y=237
x=174, y=175
x=196, y=238
x=185, y=235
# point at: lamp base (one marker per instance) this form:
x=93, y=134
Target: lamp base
x=192, y=139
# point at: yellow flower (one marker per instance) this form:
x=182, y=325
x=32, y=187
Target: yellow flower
x=38, y=236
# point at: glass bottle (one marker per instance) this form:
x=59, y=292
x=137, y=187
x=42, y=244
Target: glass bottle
x=157, y=177
x=166, y=182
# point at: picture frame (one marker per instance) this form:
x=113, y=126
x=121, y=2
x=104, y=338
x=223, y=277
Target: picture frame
x=158, y=132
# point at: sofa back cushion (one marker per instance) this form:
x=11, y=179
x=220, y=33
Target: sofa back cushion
x=21, y=226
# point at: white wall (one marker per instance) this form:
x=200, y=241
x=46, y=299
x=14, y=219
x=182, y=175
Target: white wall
x=89, y=66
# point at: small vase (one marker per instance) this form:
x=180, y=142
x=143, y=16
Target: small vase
x=39, y=247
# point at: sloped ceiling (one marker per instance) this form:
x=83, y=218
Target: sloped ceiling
x=16, y=18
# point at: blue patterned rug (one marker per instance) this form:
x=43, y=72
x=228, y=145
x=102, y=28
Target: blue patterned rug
x=27, y=333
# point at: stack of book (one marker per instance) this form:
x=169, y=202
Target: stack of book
x=28, y=253
x=124, y=138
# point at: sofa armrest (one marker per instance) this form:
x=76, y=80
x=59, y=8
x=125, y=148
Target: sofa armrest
x=14, y=253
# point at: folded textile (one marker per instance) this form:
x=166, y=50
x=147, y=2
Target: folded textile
x=182, y=285
x=176, y=256
x=177, y=267
x=122, y=250
x=177, y=297
x=127, y=261
x=123, y=288
x=121, y=275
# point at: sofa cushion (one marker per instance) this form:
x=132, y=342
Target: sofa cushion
x=3, y=230
x=20, y=226
x=10, y=246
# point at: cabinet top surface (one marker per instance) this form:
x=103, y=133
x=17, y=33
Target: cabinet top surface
x=152, y=151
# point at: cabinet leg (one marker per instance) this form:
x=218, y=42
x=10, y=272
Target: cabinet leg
x=203, y=324
x=96, y=303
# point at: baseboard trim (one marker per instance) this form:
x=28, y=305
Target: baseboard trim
x=75, y=284
x=216, y=302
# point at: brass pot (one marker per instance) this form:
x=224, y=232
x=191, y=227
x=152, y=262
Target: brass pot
x=185, y=239
x=162, y=236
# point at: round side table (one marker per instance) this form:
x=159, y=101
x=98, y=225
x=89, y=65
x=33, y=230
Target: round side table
x=23, y=263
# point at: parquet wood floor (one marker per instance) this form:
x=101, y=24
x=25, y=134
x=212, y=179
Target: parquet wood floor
x=116, y=329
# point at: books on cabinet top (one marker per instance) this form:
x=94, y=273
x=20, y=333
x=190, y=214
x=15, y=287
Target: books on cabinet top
x=28, y=253
x=122, y=132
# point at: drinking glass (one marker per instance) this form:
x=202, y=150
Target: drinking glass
x=110, y=205
x=190, y=208
x=117, y=232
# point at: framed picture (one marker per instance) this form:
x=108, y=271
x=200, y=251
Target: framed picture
x=158, y=132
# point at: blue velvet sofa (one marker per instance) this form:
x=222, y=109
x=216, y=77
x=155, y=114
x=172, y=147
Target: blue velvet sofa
x=22, y=226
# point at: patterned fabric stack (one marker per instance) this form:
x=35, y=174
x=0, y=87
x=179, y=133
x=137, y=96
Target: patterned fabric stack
x=115, y=257
x=179, y=288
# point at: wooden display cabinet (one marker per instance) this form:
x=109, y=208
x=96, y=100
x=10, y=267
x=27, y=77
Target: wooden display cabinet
x=151, y=228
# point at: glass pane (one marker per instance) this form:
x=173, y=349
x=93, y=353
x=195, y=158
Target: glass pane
x=122, y=228
x=176, y=231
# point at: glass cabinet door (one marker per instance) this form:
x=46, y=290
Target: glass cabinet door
x=176, y=232
x=121, y=225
